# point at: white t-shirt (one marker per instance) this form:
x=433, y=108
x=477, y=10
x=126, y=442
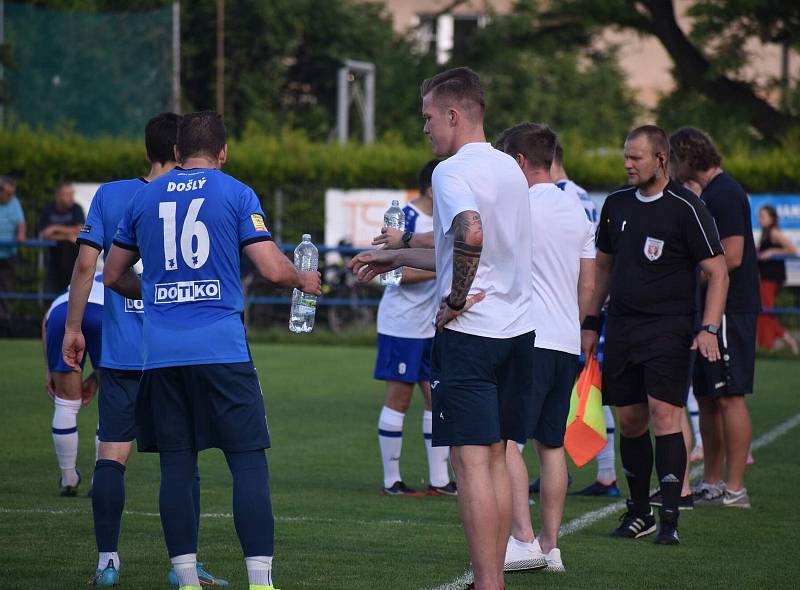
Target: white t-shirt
x=586, y=201
x=562, y=235
x=96, y=295
x=408, y=311
x=483, y=179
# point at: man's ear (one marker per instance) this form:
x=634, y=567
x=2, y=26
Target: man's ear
x=223, y=154
x=452, y=117
x=177, y=153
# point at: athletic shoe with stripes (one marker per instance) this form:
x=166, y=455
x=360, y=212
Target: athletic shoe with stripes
x=635, y=524
x=107, y=576
x=448, y=489
x=521, y=557
x=398, y=488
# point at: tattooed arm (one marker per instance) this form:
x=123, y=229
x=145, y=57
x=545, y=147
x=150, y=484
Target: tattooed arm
x=468, y=234
x=467, y=248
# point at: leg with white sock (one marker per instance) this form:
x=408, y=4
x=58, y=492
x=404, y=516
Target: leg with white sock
x=252, y=514
x=65, y=428
x=438, y=473
x=178, y=514
x=390, y=429
x=606, y=459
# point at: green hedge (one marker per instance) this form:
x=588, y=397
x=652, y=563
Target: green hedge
x=304, y=169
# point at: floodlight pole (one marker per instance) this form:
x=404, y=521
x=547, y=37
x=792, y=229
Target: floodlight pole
x=176, y=57
x=365, y=100
x=2, y=68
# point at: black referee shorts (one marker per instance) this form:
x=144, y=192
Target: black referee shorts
x=647, y=356
x=734, y=375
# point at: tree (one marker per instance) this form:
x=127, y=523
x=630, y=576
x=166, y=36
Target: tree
x=700, y=64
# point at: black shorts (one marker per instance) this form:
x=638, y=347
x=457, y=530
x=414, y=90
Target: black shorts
x=554, y=374
x=117, y=405
x=197, y=407
x=480, y=388
x=647, y=356
x=734, y=374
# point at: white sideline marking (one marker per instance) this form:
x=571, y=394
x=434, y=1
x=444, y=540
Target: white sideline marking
x=310, y=519
x=585, y=520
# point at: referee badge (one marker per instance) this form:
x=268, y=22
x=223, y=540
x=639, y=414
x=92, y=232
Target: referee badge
x=653, y=248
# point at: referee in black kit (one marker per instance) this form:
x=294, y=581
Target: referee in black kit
x=651, y=237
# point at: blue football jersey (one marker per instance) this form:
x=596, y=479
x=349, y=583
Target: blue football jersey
x=122, y=318
x=189, y=226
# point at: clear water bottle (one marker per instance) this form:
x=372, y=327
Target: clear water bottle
x=304, y=305
x=394, y=218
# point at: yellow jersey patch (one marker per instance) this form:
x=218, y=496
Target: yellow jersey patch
x=258, y=222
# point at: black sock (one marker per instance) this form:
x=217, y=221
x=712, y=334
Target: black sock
x=108, y=502
x=637, y=461
x=670, y=466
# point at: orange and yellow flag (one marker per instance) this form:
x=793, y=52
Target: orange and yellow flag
x=586, y=425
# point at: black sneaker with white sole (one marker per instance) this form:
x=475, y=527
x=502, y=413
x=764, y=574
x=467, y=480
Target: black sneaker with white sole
x=668, y=527
x=398, y=488
x=634, y=523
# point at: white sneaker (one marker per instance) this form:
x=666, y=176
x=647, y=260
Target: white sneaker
x=523, y=556
x=739, y=499
x=554, y=563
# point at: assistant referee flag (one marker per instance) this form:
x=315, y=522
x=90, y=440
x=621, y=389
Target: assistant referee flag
x=586, y=426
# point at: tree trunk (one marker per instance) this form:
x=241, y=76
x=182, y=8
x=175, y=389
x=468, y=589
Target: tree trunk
x=694, y=71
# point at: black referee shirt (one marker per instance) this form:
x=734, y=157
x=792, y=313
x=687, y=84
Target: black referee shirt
x=657, y=243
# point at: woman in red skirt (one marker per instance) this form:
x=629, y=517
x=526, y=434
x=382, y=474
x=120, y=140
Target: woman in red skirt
x=773, y=274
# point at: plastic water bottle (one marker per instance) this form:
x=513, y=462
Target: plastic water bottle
x=394, y=218
x=304, y=305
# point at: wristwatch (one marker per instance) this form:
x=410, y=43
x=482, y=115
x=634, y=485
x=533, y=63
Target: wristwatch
x=407, y=239
x=710, y=328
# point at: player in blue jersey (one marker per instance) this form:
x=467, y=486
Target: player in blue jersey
x=64, y=385
x=122, y=356
x=199, y=388
x=405, y=337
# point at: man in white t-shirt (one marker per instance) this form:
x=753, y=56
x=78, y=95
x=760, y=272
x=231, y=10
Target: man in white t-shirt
x=605, y=483
x=563, y=283
x=405, y=339
x=482, y=376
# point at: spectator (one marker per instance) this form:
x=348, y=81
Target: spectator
x=12, y=229
x=773, y=274
x=61, y=222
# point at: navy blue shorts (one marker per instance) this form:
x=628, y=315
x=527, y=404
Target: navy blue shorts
x=480, y=388
x=92, y=334
x=647, y=356
x=117, y=405
x=554, y=374
x=403, y=359
x=734, y=374
x=198, y=407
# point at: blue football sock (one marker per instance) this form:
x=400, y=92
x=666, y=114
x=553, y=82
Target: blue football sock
x=252, y=507
x=196, y=498
x=108, y=501
x=176, y=501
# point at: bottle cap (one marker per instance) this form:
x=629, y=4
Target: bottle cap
x=395, y=203
x=306, y=237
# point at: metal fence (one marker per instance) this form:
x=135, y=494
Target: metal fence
x=345, y=305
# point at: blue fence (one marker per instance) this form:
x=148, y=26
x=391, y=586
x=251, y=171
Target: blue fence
x=288, y=249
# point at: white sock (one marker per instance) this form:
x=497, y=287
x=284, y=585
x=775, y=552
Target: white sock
x=606, y=469
x=65, y=438
x=437, y=456
x=390, y=437
x=186, y=569
x=520, y=446
x=259, y=570
x=694, y=417
x=105, y=557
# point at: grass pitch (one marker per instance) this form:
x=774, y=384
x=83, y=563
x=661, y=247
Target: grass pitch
x=333, y=530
